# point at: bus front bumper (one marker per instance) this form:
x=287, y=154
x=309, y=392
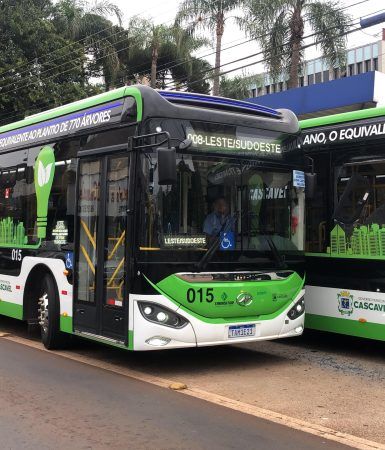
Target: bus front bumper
x=152, y=336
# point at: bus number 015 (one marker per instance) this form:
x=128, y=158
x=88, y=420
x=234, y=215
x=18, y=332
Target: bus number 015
x=16, y=255
x=200, y=295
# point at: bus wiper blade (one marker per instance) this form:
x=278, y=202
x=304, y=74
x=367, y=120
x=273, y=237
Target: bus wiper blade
x=277, y=256
x=209, y=254
x=202, y=264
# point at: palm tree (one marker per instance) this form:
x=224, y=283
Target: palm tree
x=78, y=21
x=148, y=39
x=76, y=17
x=160, y=51
x=279, y=27
x=238, y=87
x=211, y=15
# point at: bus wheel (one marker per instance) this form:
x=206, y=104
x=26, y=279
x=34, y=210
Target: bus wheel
x=49, y=314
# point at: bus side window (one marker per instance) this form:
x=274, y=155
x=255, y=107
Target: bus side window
x=15, y=196
x=353, y=200
x=317, y=214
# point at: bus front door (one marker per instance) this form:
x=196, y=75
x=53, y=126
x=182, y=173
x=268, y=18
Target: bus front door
x=100, y=303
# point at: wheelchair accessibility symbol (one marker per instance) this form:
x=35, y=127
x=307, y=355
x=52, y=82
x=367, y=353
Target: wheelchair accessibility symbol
x=69, y=260
x=227, y=240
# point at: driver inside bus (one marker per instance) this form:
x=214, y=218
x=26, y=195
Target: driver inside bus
x=219, y=219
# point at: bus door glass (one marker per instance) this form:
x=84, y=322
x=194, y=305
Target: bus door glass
x=100, y=304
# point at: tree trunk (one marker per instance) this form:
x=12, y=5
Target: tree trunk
x=219, y=33
x=296, y=35
x=154, y=62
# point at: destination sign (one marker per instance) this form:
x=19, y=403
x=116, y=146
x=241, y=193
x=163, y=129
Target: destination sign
x=239, y=140
x=227, y=143
x=343, y=133
x=61, y=126
x=175, y=241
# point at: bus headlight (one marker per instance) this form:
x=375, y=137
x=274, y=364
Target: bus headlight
x=163, y=316
x=297, y=310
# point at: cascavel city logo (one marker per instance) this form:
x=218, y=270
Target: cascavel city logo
x=345, y=303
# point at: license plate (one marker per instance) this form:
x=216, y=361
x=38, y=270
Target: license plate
x=237, y=331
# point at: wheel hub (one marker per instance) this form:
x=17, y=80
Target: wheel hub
x=43, y=311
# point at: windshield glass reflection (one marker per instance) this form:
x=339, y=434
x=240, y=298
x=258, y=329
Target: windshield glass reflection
x=246, y=206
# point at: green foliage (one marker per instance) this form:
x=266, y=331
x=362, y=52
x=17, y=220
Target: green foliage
x=238, y=87
x=210, y=15
x=167, y=50
x=278, y=26
x=53, y=51
x=40, y=67
x=190, y=76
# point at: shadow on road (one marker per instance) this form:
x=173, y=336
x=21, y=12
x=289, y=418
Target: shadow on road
x=222, y=359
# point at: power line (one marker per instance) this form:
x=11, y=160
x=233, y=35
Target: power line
x=194, y=82
x=106, y=40
x=183, y=61
x=204, y=78
x=222, y=73
x=20, y=83
x=33, y=62
x=79, y=58
x=261, y=52
x=165, y=66
x=79, y=41
x=256, y=62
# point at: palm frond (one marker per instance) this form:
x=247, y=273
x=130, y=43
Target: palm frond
x=105, y=8
x=331, y=25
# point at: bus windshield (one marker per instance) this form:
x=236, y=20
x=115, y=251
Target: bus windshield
x=247, y=206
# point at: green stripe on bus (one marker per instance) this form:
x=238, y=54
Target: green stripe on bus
x=66, y=324
x=343, y=117
x=134, y=92
x=328, y=255
x=11, y=310
x=79, y=106
x=130, y=340
x=345, y=326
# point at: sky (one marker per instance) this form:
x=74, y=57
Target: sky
x=165, y=11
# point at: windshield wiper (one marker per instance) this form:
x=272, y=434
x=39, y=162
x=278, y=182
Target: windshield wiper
x=202, y=264
x=277, y=256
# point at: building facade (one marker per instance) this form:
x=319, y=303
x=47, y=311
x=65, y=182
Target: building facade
x=367, y=58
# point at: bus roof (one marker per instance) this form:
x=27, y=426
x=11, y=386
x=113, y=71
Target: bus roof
x=156, y=103
x=188, y=98
x=184, y=98
x=65, y=109
x=342, y=117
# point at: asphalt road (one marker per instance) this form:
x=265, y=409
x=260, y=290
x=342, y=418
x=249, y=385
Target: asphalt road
x=49, y=402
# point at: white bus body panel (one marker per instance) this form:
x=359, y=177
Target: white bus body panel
x=347, y=304
x=199, y=333
x=17, y=284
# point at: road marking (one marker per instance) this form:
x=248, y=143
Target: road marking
x=261, y=413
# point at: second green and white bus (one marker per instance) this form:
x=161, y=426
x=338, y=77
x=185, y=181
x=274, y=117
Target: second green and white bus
x=102, y=211
x=345, y=259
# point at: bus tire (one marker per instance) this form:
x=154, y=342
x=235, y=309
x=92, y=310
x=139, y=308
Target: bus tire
x=49, y=314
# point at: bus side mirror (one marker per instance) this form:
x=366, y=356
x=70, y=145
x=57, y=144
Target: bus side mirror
x=166, y=165
x=310, y=185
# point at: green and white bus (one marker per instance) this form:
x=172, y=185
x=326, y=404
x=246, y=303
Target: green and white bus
x=345, y=219
x=103, y=205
